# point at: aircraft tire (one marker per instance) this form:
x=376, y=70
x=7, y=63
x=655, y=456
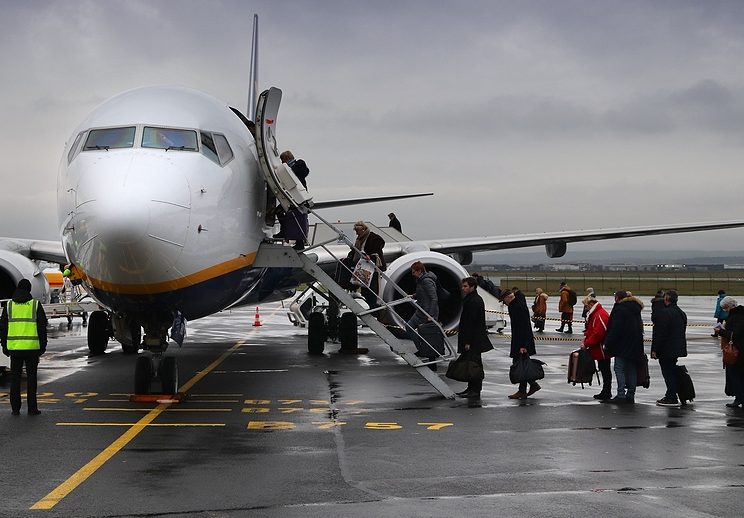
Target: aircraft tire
x=142, y=375
x=136, y=333
x=347, y=331
x=316, y=333
x=168, y=371
x=98, y=332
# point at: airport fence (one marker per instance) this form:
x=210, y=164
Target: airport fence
x=640, y=283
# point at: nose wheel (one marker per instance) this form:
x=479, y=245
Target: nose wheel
x=156, y=370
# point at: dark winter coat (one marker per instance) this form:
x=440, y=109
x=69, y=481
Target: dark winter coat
x=521, y=325
x=426, y=295
x=395, y=223
x=735, y=325
x=472, y=330
x=624, y=337
x=373, y=248
x=20, y=295
x=669, y=339
x=300, y=169
x=720, y=313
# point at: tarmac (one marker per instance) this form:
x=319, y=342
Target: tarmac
x=265, y=429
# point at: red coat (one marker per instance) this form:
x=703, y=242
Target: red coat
x=596, y=327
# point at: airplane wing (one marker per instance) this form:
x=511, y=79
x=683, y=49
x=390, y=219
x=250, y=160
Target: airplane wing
x=397, y=244
x=555, y=241
x=35, y=249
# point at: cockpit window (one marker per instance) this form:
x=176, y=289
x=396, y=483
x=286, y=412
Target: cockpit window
x=73, y=148
x=208, y=148
x=223, y=148
x=169, y=138
x=109, y=138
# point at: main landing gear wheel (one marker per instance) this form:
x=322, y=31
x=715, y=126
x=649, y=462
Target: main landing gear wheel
x=168, y=373
x=98, y=332
x=316, y=333
x=136, y=334
x=143, y=375
x=347, y=332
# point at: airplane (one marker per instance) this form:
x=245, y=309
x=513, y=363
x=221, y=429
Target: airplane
x=163, y=206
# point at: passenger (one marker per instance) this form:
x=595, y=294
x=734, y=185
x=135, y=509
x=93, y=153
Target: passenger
x=668, y=343
x=624, y=341
x=589, y=294
x=371, y=246
x=522, y=339
x=23, y=335
x=426, y=298
x=566, y=307
x=519, y=295
x=733, y=330
x=719, y=313
x=594, y=338
x=298, y=166
x=539, y=310
x=394, y=222
x=472, y=336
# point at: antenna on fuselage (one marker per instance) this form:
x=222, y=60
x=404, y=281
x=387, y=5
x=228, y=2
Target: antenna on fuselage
x=253, y=88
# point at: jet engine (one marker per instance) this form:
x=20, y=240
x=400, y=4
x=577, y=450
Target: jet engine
x=13, y=268
x=449, y=272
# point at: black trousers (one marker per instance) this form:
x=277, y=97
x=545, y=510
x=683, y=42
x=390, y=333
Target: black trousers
x=475, y=386
x=16, y=367
x=370, y=294
x=606, y=369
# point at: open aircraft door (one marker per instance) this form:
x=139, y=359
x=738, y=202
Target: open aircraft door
x=285, y=185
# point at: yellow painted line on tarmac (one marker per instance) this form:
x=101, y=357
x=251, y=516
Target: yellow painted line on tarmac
x=149, y=425
x=81, y=475
x=109, y=409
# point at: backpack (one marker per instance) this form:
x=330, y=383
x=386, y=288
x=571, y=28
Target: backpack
x=572, y=297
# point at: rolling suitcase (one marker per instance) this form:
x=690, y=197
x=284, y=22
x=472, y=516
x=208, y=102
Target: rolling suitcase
x=685, y=388
x=581, y=367
x=431, y=333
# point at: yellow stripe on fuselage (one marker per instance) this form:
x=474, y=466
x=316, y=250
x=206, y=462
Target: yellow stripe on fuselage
x=174, y=284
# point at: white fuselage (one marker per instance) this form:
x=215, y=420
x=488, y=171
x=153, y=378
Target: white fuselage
x=154, y=222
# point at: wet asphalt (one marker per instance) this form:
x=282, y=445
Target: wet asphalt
x=267, y=430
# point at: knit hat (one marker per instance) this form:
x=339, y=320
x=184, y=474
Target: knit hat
x=24, y=284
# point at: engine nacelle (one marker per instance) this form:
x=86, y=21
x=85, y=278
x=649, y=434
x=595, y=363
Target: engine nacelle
x=13, y=268
x=555, y=249
x=449, y=272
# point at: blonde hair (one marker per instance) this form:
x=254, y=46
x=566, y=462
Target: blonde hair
x=360, y=224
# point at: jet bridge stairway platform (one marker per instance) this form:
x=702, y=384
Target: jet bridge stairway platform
x=272, y=255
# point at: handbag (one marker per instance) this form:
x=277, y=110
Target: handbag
x=526, y=370
x=730, y=352
x=465, y=369
x=363, y=272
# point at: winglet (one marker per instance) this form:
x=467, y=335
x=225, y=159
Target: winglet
x=253, y=88
x=360, y=201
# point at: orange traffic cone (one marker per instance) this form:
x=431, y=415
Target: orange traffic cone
x=257, y=320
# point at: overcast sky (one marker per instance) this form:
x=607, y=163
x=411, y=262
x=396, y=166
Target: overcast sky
x=521, y=116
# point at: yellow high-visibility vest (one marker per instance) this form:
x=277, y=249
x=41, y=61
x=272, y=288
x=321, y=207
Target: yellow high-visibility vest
x=23, y=334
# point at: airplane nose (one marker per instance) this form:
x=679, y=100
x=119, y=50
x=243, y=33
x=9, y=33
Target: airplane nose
x=132, y=215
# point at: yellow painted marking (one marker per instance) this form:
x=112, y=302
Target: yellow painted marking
x=133, y=424
x=257, y=401
x=113, y=401
x=289, y=401
x=289, y=410
x=319, y=402
x=78, y=395
x=435, y=426
x=80, y=401
x=383, y=426
x=270, y=425
x=353, y=402
x=216, y=395
x=81, y=475
x=255, y=410
x=111, y=409
x=42, y=395
x=319, y=410
x=326, y=426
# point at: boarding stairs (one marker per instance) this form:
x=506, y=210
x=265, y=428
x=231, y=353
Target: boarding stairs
x=291, y=195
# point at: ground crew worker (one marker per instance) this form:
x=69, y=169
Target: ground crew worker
x=24, y=338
